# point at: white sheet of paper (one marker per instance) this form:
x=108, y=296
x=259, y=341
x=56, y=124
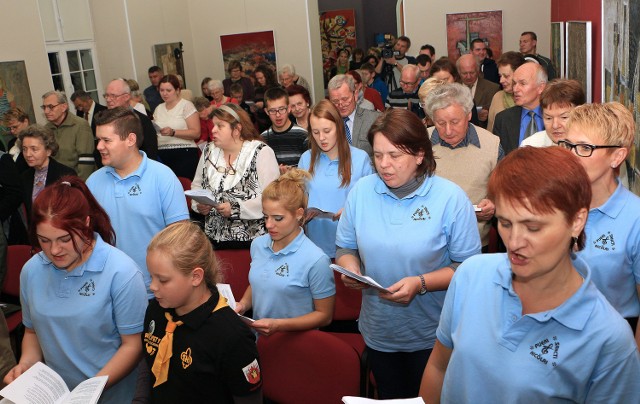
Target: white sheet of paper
x=203, y=196
x=225, y=290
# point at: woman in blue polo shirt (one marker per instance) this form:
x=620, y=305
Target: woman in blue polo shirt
x=291, y=285
x=529, y=325
x=602, y=135
x=407, y=229
x=335, y=167
x=83, y=300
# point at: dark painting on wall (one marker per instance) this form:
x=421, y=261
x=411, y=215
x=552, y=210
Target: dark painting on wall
x=14, y=91
x=463, y=28
x=250, y=49
x=557, y=47
x=578, y=40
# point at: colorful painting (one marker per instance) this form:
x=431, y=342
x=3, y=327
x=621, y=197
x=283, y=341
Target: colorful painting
x=250, y=49
x=463, y=28
x=557, y=48
x=621, y=66
x=169, y=58
x=337, y=31
x=14, y=91
x=578, y=40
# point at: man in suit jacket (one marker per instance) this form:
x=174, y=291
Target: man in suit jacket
x=482, y=90
x=357, y=121
x=488, y=67
x=529, y=80
x=86, y=108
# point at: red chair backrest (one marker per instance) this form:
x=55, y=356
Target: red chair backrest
x=348, y=301
x=235, y=265
x=186, y=186
x=17, y=256
x=308, y=367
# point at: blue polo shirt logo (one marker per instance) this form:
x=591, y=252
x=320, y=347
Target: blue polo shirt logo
x=421, y=213
x=605, y=242
x=283, y=270
x=546, y=351
x=135, y=190
x=88, y=289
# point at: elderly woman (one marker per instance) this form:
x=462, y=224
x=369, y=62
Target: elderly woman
x=466, y=153
x=300, y=102
x=503, y=99
x=216, y=89
x=137, y=100
x=443, y=69
x=408, y=229
x=39, y=146
x=601, y=136
x=425, y=88
x=535, y=307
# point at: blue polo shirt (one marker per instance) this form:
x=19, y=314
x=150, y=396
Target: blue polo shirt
x=326, y=194
x=139, y=206
x=285, y=283
x=80, y=316
x=396, y=238
x=613, y=250
x=581, y=351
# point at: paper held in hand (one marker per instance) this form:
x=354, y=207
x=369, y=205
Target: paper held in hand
x=360, y=278
x=203, y=196
x=225, y=290
x=41, y=384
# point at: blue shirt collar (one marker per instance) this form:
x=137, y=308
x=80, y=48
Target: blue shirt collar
x=381, y=188
x=537, y=110
x=95, y=263
x=470, y=139
x=614, y=205
x=292, y=247
x=137, y=173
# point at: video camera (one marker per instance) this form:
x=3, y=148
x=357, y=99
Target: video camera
x=386, y=44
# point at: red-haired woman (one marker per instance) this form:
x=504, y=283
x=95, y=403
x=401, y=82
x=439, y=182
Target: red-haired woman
x=335, y=167
x=83, y=301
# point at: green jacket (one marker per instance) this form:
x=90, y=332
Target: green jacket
x=76, y=143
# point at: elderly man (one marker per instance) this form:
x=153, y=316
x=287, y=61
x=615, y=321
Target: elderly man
x=357, y=121
x=482, y=90
x=118, y=94
x=406, y=97
x=72, y=133
x=517, y=123
x=466, y=154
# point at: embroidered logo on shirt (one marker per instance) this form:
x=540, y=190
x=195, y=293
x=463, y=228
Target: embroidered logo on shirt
x=605, y=242
x=135, y=190
x=283, y=270
x=421, y=213
x=186, y=358
x=252, y=372
x=88, y=289
x=546, y=351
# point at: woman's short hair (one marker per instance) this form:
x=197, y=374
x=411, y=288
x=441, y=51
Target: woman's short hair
x=247, y=130
x=512, y=59
x=134, y=88
x=173, y=80
x=295, y=89
x=215, y=85
x=187, y=247
x=406, y=131
x=45, y=135
x=543, y=180
x=612, y=122
x=444, y=64
x=15, y=114
x=428, y=85
x=289, y=189
x=446, y=95
x=562, y=93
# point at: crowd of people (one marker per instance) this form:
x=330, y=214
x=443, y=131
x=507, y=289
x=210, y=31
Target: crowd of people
x=400, y=174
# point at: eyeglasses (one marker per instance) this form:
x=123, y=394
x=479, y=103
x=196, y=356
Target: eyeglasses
x=277, y=111
x=108, y=96
x=223, y=170
x=583, y=149
x=49, y=107
x=406, y=83
x=344, y=101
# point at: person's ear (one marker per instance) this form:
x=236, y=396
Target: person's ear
x=579, y=221
x=197, y=276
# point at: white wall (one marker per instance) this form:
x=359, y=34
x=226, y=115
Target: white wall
x=425, y=21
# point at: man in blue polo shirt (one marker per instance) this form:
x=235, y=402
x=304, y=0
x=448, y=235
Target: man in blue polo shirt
x=140, y=195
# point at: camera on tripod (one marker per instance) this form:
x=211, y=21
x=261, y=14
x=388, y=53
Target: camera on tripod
x=388, y=51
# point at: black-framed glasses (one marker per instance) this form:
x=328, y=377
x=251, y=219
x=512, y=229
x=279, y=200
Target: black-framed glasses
x=583, y=149
x=49, y=107
x=277, y=111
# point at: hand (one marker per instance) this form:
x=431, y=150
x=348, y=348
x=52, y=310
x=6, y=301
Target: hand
x=488, y=209
x=224, y=209
x=266, y=326
x=166, y=131
x=352, y=283
x=203, y=209
x=391, y=61
x=283, y=168
x=337, y=215
x=403, y=291
x=17, y=370
x=483, y=114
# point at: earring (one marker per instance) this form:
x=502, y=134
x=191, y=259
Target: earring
x=574, y=243
x=613, y=166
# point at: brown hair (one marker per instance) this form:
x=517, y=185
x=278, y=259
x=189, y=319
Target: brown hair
x=562, y=92
x=247, y=130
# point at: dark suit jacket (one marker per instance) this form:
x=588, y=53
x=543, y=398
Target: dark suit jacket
x=54, y=173
x=96, y=109
x=507, y=128
x=489, y=70
x=362, y=121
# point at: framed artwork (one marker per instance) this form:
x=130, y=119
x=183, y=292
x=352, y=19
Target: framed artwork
x=578, y=39
x=168, y=57
x=337, y=31
x=557, y=48
x=14, y=91
x=462, y=28
x=250, y=49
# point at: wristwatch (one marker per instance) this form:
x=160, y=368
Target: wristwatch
x=423, y=288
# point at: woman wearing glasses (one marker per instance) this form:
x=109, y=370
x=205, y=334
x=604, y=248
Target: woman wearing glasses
x=602, y=135
x=235, y=166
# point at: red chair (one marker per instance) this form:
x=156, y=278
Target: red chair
x=235, y=265
x=308, y=367
x=348, y=301
x=17, y=256
x=186, y=186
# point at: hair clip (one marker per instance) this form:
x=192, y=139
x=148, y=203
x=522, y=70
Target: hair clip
x=66, y=183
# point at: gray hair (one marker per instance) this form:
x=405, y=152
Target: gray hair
x=446, y=95
x=287, y=68
x=541, y=75
x=214, y=84
x=44, y=134
x=339, y=79
x=125, y=85
x=60, y=96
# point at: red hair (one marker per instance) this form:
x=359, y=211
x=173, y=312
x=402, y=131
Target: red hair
x=543, y=180
x=66, y=204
